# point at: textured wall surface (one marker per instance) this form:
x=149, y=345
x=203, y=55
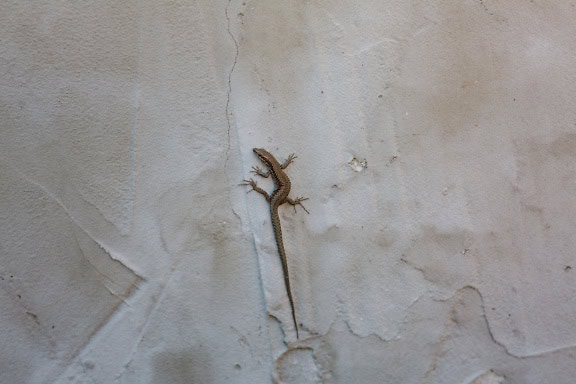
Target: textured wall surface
x=436, y=143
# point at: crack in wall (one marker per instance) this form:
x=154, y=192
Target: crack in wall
x=230, y=80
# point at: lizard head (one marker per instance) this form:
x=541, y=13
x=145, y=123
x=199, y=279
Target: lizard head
x=262, y=154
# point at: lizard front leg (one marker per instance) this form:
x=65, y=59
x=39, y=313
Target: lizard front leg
x=288, y=161
x=256, y=188
x=260, y=172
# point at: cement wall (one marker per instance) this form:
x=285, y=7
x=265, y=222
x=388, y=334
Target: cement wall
x=436, y=143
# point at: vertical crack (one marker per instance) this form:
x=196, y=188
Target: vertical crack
x=229, y=80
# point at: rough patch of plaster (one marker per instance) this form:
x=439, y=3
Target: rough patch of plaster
x=65, y=280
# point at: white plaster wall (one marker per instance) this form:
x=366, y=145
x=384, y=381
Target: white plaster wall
x=436, y=142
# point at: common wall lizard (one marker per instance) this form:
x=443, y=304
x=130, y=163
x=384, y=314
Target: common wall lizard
x=278, y=197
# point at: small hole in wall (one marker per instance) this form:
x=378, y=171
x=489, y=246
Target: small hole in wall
x=237, y=366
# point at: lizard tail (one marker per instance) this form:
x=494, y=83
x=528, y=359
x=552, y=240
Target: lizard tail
x=282, y=252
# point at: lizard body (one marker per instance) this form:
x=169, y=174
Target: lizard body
x=278, y=197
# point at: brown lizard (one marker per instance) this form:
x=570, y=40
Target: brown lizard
x=276, y=199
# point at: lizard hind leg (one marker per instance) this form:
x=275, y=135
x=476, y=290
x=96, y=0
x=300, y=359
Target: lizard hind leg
x=297, y=201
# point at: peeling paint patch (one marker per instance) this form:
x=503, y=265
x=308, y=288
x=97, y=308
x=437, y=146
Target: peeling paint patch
x=445, y=259
x=296, y=366
x=357, y=164
x=487, y=378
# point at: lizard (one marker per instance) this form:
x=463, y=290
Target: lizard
x=278, y=197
